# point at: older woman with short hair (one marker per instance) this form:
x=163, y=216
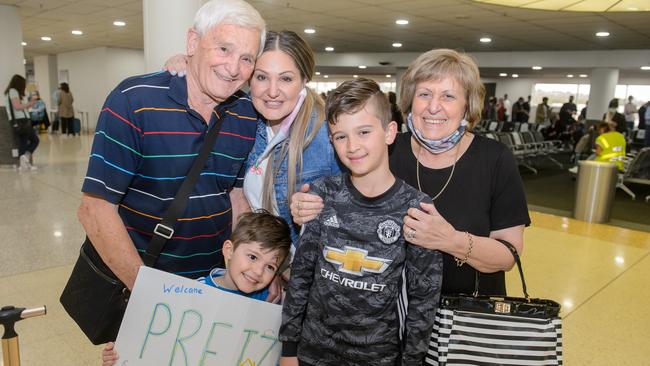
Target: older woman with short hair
x=478, y=196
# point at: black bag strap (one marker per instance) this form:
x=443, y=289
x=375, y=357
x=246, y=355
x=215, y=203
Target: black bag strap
x=11, y=107
x=165, y=229
x=514, y=253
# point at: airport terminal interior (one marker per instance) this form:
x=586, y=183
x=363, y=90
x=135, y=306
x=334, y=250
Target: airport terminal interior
x=597, y=271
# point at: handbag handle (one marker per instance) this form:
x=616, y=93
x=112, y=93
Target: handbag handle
x=164, y=230
x=514, y=253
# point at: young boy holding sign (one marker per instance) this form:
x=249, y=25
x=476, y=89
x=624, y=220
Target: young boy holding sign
x=352, y=261
x=254, y=254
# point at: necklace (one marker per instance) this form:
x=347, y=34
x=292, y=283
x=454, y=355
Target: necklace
x=453, y=167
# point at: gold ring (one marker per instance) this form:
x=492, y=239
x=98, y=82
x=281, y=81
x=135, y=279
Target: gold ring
x=298, y=206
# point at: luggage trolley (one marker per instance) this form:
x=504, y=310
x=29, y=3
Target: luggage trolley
x=9, y=315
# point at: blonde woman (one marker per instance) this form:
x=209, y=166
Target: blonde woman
x=292, y=145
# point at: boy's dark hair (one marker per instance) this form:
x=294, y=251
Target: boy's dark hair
x=352, y=96
x=260, y=226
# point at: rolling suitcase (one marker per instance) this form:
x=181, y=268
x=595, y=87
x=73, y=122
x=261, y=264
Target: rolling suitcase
x=76, y=126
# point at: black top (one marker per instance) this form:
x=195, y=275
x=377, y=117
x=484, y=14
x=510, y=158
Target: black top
x=485, y=194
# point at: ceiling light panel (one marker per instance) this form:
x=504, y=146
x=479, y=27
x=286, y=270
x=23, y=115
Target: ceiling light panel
x=573, y=5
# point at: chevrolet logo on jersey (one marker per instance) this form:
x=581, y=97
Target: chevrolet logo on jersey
x=355, y=261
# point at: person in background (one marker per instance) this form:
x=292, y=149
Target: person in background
x=508, y=106
x=568, y=109
x=583, y=113
x=38, y=113
x=641, y=113
x=610, y=145
x=646, y=120
x=526, y=110
x=491, y=114
x=501, y=110
x=16, y=110
x=542, y=112
x=630, y=113
x=395, y=111
x=520, y=114
x=66, y=110
x=517, y=110
x=612, y=116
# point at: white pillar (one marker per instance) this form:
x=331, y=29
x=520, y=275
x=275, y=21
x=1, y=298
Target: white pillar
x=46, y=77
x=601, y=91
x=399, y=73
x=11, y=56
x=165, y=29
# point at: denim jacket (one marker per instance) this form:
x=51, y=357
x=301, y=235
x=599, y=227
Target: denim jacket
x=318, y=160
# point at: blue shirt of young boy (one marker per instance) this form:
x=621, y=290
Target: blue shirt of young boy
x=210, y=280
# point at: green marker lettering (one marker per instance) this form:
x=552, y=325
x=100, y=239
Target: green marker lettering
x=164, y=307
x=249, y=333
x=179, y=340
x=275, y=341
x=207, y=343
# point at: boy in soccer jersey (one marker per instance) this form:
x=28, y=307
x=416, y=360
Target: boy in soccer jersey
x=352, y=261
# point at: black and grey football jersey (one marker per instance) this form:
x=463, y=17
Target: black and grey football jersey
x=351, y=263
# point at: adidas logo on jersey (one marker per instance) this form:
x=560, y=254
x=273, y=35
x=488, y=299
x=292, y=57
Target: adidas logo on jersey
x=332, y=222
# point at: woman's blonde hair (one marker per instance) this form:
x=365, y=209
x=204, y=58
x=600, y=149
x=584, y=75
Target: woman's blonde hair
x=439, y=64
x=299, y=137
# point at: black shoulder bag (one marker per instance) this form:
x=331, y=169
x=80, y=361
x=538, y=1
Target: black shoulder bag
x=94, y=297
x=21, y=126
x=490, y=330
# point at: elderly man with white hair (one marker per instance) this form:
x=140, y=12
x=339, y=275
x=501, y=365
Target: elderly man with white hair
x=150, y=131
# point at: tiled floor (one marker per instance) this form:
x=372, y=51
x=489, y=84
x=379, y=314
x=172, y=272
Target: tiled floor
x=599, y=273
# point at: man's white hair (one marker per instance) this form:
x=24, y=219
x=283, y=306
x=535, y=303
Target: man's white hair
x=233, y=12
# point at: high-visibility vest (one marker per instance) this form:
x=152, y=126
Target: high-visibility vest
x=613, y=148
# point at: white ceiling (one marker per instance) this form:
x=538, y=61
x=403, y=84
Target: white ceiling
x=354, y=25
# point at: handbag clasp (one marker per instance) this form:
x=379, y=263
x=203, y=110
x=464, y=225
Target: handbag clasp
x=502, y=307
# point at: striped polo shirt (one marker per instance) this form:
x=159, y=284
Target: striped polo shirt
x=146, y=141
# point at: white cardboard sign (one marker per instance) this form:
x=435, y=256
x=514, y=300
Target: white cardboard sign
x=175, y=321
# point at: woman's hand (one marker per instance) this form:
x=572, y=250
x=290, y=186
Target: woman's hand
x=427, y=228
x=109, y=356
x=275, y=290
x=305, y=206
x=177, y=64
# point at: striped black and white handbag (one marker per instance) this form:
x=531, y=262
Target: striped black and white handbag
x=485, y=330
